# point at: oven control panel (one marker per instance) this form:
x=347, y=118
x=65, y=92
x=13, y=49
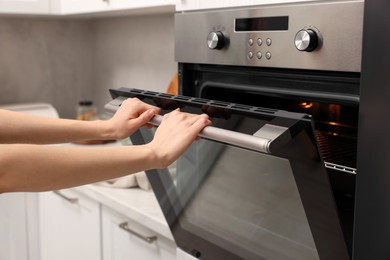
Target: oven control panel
x=312, y=35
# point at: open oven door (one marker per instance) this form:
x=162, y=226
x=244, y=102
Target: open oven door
x=253, y=187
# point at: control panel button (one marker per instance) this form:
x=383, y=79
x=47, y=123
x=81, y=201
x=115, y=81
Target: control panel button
x=250, y=55
x=259, y=55
x=268, y=55
x=259, y=41
x=216, y=40
x=250, y=42
x=268, y=41
x=306, y=40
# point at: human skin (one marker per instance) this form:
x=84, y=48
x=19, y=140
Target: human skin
x=28, y=166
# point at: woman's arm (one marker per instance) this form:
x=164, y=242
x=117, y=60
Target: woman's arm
x=23, y=128
x=25, y=167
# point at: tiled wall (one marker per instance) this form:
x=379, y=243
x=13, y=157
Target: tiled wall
x=64, y=61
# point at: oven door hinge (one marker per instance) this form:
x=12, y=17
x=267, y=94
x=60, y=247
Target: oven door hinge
x=277, y=136
x=114, y=105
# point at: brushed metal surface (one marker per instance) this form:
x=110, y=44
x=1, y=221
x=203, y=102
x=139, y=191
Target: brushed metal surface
x=340, y=48
x=257, y=143
x=302, y=40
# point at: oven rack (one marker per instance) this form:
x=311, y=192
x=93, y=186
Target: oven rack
x=338, y=153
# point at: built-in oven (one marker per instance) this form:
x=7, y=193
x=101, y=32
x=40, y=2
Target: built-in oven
x=274, y=177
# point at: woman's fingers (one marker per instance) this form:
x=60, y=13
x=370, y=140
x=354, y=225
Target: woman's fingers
x=175, y=134
x=144, y=118
x=200, y=123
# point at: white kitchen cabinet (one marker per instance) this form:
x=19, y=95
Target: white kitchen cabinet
x=190, y=5
x=13, y=226
x=127, y=4
x=19, y=238
x=25, y=6
x=77, y=6
x=123, y=239
x=69, y=226
x=107, y=7
x=85, y=7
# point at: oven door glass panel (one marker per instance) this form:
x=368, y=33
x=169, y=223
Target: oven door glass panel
x=243, y=200
x=224, y=201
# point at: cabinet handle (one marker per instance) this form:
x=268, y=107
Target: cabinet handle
x=70, y=200
x=125, y=226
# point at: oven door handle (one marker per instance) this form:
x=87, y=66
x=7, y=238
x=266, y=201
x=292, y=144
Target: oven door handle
x=265, y=140
x=252, y=142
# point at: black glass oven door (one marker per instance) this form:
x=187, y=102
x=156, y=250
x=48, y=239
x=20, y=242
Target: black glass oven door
x=253, y=187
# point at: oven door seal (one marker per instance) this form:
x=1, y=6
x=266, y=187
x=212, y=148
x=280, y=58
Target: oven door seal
x=302, y=152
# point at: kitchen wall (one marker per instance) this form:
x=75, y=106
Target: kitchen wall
x=44, y=60
x=135, y=52
x=63, y=61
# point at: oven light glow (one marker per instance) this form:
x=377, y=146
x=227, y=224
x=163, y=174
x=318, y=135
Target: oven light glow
x=306, y=104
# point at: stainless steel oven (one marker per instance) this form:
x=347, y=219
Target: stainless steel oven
x=274, y=178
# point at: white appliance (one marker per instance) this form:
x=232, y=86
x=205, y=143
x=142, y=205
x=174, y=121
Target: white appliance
x=39, y=109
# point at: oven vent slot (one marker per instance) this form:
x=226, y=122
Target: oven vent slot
x=165, y=95
x=199, y=101
x=242, y=107
x=182, y=98
x=221, y=104
x=137, y=91
x=265, y=110
x=150, y=93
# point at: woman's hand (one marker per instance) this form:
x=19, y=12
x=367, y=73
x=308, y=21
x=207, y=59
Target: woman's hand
x=130, y=116
x=175, y=134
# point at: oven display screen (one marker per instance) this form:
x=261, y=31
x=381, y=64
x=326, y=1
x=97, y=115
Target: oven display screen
x=276, y=23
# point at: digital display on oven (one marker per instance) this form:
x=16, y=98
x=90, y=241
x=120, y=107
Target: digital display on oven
x=275, y=23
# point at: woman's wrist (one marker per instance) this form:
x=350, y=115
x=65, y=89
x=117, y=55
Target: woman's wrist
x=100, y=130
x=154, y=160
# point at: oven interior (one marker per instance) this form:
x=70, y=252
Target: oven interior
x=331, y=98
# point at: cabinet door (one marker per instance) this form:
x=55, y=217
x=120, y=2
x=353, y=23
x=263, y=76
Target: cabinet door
x=129, y=4
x=19, y=226
x=25, y=6
x=13, y=229
x=124, y=239
x=105, y=6
x=77, y=6
x=70, y=226
x=186, y=5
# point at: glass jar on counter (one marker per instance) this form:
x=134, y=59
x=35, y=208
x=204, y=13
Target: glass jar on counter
x=86, y=110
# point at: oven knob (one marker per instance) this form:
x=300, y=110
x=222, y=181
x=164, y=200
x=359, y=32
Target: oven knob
x=216, y=40
x=306, y=40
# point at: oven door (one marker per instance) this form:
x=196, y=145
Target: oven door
x=253, y=187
